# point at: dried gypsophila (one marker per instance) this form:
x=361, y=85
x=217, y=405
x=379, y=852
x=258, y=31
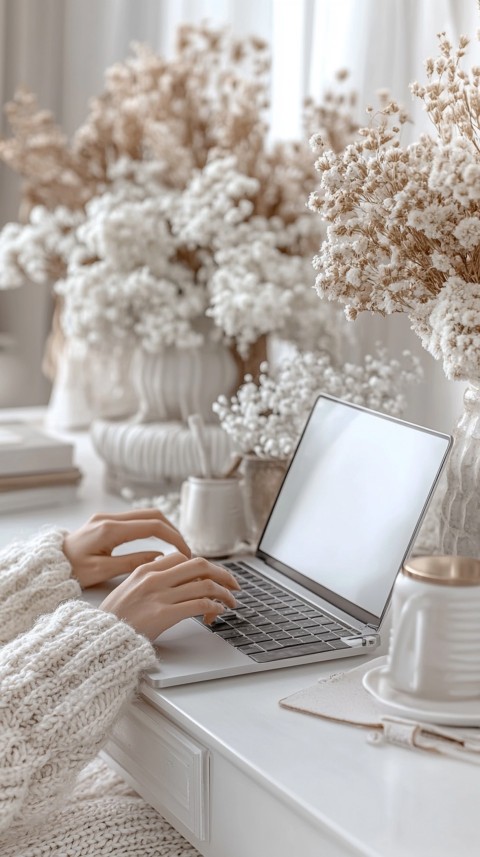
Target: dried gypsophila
x=209, y=100
x=189, y=253
x=39, y=250
x=166, y=195
x=267, y=418
x=151, y=108
x=405, y=222
x=104, y=306
x=182, y=254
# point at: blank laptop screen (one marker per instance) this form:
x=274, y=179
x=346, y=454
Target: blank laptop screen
x=351, y=501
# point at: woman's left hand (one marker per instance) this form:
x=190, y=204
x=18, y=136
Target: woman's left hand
x=89, y=549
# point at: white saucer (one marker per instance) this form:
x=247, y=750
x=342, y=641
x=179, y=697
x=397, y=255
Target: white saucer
x=464, y=712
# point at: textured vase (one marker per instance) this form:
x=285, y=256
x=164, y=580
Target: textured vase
x=109, y=387
x=178, y=382
x=148, y=459
x=91, y=383
x=460, y=509
x=262, y=478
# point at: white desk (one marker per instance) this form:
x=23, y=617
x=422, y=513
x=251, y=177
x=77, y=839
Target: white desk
x=254, y=780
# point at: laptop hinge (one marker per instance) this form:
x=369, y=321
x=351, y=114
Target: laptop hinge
x=368, y=640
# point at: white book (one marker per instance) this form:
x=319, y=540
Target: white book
x=27, y=449
x=33, y=498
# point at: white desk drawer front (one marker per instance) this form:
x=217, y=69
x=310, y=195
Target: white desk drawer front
x=169, y=768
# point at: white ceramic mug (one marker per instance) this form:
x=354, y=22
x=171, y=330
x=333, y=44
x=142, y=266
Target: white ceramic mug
x=212, y=515
x=435, y=638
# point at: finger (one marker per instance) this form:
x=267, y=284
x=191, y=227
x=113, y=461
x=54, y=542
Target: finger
x=126, y=563
x=189, y=609
x=201, y=589
x=131, y=515
x=134, y=515
x=128, y=531
x=164, y=563
x=210, y=617
x=186, y=570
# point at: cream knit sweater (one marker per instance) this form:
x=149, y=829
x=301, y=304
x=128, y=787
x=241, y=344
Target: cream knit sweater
x=66, y=671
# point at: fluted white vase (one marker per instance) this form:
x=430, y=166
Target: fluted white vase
x=177, y=382
x=460, y=509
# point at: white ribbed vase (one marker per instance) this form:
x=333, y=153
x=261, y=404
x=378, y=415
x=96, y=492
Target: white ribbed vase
x=155, y=458
x=460, y=510
x=177, y=382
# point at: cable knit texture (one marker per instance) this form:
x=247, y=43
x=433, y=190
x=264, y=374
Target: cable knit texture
x=63, y=683
x=35, y=577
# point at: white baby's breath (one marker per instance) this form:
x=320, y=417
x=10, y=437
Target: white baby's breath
x=170, y=203
x=267, y=418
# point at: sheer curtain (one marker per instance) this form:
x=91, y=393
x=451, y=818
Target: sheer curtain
x=60, y=48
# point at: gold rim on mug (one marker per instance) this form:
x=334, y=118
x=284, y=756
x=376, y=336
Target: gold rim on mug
x=444, y=570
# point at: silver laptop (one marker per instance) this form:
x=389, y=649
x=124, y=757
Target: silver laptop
x=319, y=584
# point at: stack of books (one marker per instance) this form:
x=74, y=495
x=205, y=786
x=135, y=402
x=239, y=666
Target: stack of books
x=36, y=469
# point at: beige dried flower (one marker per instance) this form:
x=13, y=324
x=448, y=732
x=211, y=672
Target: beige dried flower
x=54, y=173
x=210, y=98
x=405, y=221
x=184, y=204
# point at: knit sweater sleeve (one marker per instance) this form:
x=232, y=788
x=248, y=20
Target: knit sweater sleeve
x=35, y=577
x=62, y=685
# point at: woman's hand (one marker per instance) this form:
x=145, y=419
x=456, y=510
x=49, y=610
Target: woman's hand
x=159, y=594
x=89, y=549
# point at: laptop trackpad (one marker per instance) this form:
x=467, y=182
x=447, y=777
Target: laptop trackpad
x=188, y=651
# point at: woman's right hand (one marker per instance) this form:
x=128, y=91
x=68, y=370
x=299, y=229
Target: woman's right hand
x=159, y=594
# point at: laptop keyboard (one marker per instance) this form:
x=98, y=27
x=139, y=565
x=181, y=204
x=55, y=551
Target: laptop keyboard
x=269, y=623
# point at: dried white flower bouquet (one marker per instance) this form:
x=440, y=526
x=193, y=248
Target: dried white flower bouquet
x=169, y=204
x=404, y=233
x=267, y=418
